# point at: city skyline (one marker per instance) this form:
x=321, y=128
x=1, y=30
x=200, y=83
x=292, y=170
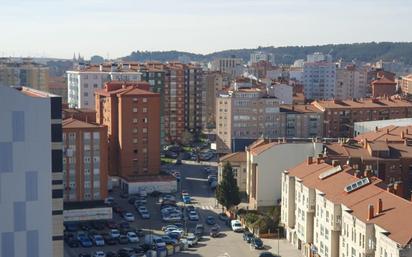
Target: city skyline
x=185, y=25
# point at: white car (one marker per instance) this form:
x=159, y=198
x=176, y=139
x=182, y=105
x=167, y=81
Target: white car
x=99, y=254
x=109, y=200
x=114, y=233
x=192, y=240
x=169, y=227
x=128, y=216
x=236, y=226
x=133, y=238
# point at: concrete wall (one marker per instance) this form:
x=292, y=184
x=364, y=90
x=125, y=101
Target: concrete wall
x=25, y=175
x=149, y=186
x=271, y=164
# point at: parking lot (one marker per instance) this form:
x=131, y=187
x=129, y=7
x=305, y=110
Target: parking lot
x=194, y=181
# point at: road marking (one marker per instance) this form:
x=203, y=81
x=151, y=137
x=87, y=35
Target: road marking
x=224, y=255
x=196, y=179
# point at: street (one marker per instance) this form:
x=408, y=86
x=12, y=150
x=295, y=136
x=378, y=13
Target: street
x=193, y=180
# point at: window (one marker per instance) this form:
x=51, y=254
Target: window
x=135, y=99
x=134, y=109
x=144, y=100
x=86, y=85
x=134, y=130
x=144, y=109
x=95, y=85
x=135, y=140
x=145, y=120
x=86, y=94
x=144, y=130
x=134, y=120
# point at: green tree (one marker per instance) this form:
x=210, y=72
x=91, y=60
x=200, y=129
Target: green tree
x=187, y=138
x=227, y=192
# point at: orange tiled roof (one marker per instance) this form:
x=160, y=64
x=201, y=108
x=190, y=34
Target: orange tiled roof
x=397, y=211
x=234, y=157
x=365, y=103
x=74, y=123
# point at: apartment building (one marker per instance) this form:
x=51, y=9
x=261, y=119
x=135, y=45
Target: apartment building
x=214, y=82
x=258, y=56
x=383, y=87
x=319, y=77
x=329, y=210
x=244, y=115
x=340, y=115
x=86, y=115
x=238, y=162
x=194, y=86
x=132, y=115
x=85, y=160
x=266, y=160
x=31, y=188
x=232, y=66
x=283, y=92
x=351, y=82
x=386, y=152
x=23, y=73
x=301, y=121
x=86, y=79
x=58, y=86
x=405, y=84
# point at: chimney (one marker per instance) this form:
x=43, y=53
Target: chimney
x=310, y=160
x=405, y=142
x=402, y=134
x=358, y=173
x=370, y=211
x=390, y=188
x=318, y=160
x=376, y=129
x=398, y=188
x=387, y=131
x=335, y=163
x=366, y=173
x=379, y=210
x=365, y=143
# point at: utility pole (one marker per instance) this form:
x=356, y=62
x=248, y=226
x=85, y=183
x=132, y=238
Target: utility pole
x=278, y=241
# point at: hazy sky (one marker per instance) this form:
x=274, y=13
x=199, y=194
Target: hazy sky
x=57, y=28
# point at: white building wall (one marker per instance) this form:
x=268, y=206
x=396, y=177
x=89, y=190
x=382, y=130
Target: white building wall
x=25, y=175
x=272, y=162
x=283, y=92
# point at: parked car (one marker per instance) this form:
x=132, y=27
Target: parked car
x=125, y=252
x=109, y=240
x=193, y=216
x=118, y=209
x=128, y=216
x=222, y=216
x=123, y=239
x=71, y=226
x=111, y=224
x=73, y=243
x=186, y=199
x=169, y=240
x=236, y=226
x=139, y=232
x=248, y=236
x=99, y=254
x=115, y=233
x=215, y=231
x=169, y=227
x=192, y=239
x=97, y=240
x=210, y=220
x=111, y=254
x=199, y=230
x=132, y=237
x=124, y=225
x=84, y=255
x=144, y=213
x=268, y=254
x=85, y=242
x=155, y=241
x=257, y=243
x=124, y=195
x=109, y=200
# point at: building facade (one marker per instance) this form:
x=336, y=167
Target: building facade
x=329, y=211
x=238, y=162
x=405, y=84
x=214, y=83
x=351, y=82
x=24, y=73
x=319, y=77
x=132, y=114
x=31, y=188
x=85, y=175
x=232, y=66
x=85, y=80
x=340, y=115
x=383, y=87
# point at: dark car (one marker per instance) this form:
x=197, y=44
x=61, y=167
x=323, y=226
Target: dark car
x=222, y=216
x=215, y=231
x=84, y=255
x=257, y=243
x=139, y=232
x=247, y=236
x=111, y=254
x=73, y=243
x=124, y=225
x=131, y=200
x=109, y=240
x=124, y=195
x=139, y=250
x=111, y=224
x=71, y=227
x=123, y=239
x=210, y=220
x=125, y=252
x=268, y=254
x=98, y=225
x=118, y=209
x=85, y=226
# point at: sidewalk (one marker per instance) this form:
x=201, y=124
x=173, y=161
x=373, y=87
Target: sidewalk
x=285, y=248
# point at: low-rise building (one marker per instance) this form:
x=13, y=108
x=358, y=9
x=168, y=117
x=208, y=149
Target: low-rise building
x=266, y=160
x=238, y=162
x=340, y=115
x=329, y=210
x=405, y=84
x=383, y=87
x=85, y=176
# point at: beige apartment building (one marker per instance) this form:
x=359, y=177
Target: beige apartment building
x=215, y=82
x=238, y=162
x=244, y=115
x=329, y=210
x=351, y=82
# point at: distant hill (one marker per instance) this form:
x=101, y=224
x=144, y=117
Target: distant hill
x=366, y=52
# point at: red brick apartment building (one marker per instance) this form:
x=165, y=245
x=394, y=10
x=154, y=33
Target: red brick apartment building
x=383, y=87
x=132, y=115
x=84, y=160
x=339, y=115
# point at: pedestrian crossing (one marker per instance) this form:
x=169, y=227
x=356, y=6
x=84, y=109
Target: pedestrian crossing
x=205, y=207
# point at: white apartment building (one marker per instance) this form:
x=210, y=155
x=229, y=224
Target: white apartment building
x=31, y=187
x=328, y=211
x=231, y=66
x=266, y=160
x=85, y=80
x=261, y=56
x=283, y=92
x=319, y=77
x=351, y=82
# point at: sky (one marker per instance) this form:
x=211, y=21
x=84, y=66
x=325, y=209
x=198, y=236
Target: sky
x=115, y=28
